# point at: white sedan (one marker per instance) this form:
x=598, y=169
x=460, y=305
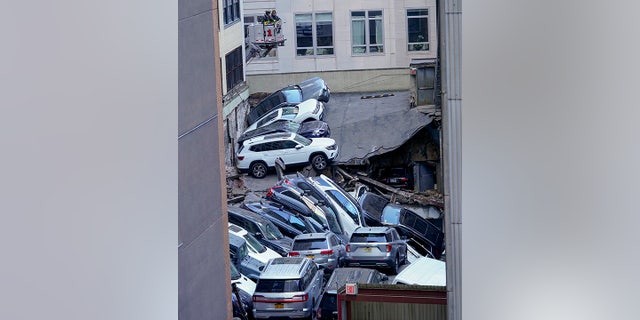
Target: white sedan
x=307, y=110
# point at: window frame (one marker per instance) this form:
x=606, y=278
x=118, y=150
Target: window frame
x=423, y=45
x=230, y=12
x=315, y=48
x=234, y=68
x=367, y=19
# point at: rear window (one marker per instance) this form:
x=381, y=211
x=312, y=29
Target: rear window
x=287, y=285
x=369, y=237
x=309, y=244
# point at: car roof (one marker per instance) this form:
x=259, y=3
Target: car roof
x=372, y=229
x=270, y=136
x=423, y=271
x=244, y=213
x=315, y=235
x=237, y=230
x=284, y=268
x=340, y=276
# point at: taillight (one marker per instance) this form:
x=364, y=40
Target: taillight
x=326, y=252
x=348, y=248
x=270, y=193
x=300, y=298
x=404, y=179
x=294, y=254
x=388, y=248
x=240, y=158
x=287, y=181
x=259, y=299
x=319, y=313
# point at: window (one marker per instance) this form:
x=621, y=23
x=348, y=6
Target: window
x=314, y=34
x=366, y=32
x=231, y=11
x=417, y=29
x=234, y=66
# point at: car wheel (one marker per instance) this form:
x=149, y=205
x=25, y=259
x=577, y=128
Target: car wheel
x=396, y=266
x=258, y=170
x=319, y=162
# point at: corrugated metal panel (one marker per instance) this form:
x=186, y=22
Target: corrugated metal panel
x=390, y=311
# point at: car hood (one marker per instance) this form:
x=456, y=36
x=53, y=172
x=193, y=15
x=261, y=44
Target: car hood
x=322, y=142
x=251, y=267
x=311, y=126
x=307, y=106
x=245, y=284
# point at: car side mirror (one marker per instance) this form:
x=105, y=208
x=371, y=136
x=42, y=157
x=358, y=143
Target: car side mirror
x=299, y=146
x=385, y=278
x=260, y=268
x=258, y=235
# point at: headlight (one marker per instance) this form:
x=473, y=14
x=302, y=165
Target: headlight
x=331, y=147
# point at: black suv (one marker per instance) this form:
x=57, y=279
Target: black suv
x=424, y=234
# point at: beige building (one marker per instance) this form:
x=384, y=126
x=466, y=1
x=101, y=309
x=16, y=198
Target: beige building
x=355, y=45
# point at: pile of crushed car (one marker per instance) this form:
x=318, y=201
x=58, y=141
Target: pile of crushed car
x=293, y=248
x=305, y=229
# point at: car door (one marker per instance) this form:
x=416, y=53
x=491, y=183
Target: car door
x=292, y=152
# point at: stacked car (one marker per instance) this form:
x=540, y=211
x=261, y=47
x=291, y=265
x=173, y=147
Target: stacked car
x=307, y=228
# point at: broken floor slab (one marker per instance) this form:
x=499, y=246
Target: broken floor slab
x=370, y=124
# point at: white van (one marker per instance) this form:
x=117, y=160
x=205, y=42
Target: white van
x=424, y=271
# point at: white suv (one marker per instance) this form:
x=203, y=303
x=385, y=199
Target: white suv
x=258, y=154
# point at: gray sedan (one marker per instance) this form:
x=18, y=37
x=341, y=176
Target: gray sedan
x=376, y=247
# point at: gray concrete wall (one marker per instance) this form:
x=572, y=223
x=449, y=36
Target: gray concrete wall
x=393, y=79
x=203, y=251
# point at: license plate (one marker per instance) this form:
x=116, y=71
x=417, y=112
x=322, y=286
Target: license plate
x=311, y=256
x=367, y=249
x=279, y=305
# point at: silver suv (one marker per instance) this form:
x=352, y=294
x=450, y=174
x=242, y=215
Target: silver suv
x=287, y=287
x=326, y=250
x=376, y=247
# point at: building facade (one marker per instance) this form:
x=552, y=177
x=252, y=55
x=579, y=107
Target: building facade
x=235, y=92
x=204, y=290
x=355, y=45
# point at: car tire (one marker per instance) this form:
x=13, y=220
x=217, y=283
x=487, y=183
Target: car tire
x=396, y=266
x=319, y=162
x=258, y=170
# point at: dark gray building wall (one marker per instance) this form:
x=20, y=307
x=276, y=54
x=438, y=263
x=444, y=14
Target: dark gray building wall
x=203, y=251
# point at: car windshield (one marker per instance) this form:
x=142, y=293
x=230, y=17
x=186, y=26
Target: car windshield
x=309, y=244
x=293, y=94
x=254, y=244
x=271, y=232
x=302, y=140
x=390, y=215
x=235, y=275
